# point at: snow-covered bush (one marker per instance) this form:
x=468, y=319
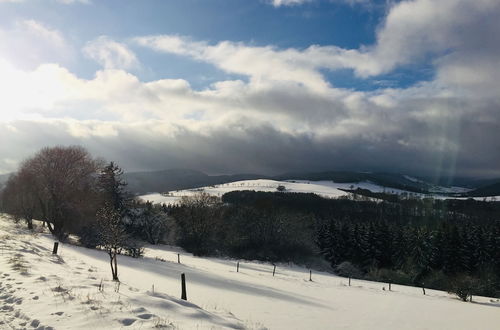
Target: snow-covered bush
x=464, y=286
x=149, y=222
x=89, y=236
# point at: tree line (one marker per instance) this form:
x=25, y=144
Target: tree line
x=431, y=243
x=72, y=192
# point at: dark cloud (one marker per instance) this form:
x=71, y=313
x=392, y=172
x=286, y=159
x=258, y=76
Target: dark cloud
x=244, y=147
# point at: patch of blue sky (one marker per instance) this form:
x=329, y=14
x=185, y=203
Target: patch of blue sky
x=320, y=22
x=403, y=77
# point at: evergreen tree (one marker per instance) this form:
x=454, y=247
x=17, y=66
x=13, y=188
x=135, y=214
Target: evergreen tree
x=112, y=187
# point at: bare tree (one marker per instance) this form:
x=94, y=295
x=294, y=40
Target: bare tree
x=18, y=197
x=63, y=183
x=113, y=237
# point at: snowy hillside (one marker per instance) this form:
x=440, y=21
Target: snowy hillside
x=328, y=189
x=42, y=291
x=322, y=188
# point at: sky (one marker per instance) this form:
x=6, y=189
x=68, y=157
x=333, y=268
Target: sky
x=255, y=86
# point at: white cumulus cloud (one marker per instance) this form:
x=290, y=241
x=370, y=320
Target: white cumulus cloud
x=111, y=54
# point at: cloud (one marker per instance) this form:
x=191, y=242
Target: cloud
x=265, y=65
x=278, y=3
x=111, y=54
x=284, y=3
x=29, y=43
x=38, y=29
x=234, y=127
x=413, y=33
x=69, y=2
x=246, y=144
x=283, y=114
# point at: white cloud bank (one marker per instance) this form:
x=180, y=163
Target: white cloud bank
x=27, y=43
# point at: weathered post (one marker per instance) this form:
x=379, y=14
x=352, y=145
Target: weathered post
x=310, y=275
x=183, y=280
x=349, y=281
x=423, y=289
x=56, y=246
x=178, y=258
x=274, y=269
x=390, y=286
x=238, y=267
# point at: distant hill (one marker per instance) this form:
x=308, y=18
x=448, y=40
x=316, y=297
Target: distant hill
x=389, y=180
x=492, y=189
x=176, y=179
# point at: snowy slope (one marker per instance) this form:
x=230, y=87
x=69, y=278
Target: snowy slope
x=41, y=291
x=62, y=293
x=328, y=189
x=322, y=188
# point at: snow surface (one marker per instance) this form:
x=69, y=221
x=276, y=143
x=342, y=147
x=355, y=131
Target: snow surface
x=42, y=291
x=322, y=188
x=328, y=189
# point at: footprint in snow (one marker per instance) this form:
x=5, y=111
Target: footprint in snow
x=127, y=322
x=145, y=316
x=7, y=308
x=14, y=300
x=139, y=310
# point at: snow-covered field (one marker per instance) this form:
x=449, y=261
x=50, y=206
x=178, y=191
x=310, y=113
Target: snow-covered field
x=327, y=189
x=322, y=188
x=42, y=291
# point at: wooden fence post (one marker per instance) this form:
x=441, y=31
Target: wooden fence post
x=183, y=285
x=178, y=258
x=274, y=270
x=310, y=275
x=56, y=246
x=349, y=281
x=238, y=267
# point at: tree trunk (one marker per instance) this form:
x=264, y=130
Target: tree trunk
x=51, y=229
x=115, y=277
x=112, y=263
x=29, y=222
